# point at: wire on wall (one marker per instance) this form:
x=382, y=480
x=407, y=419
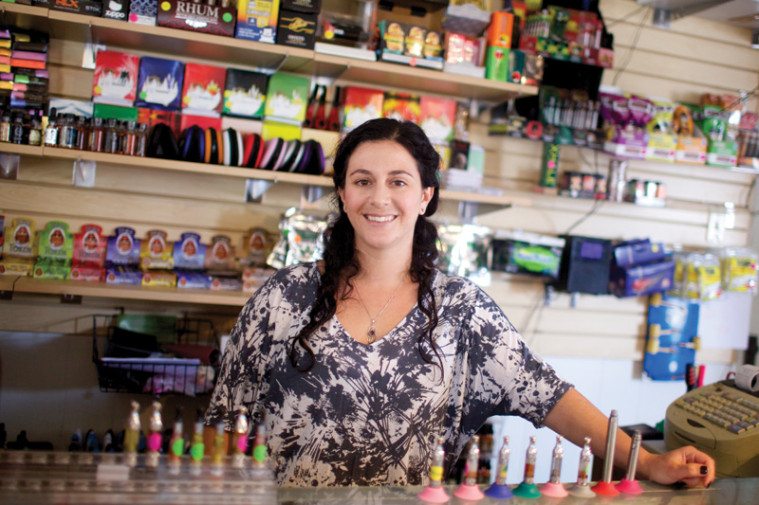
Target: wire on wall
x=633, y=46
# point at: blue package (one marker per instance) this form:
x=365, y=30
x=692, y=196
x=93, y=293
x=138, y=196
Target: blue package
x=189, y=253
x=643, y=279
x=189, y=279
x=159, y=85
x=638, y=252
x=123, y=275
x=123, y=247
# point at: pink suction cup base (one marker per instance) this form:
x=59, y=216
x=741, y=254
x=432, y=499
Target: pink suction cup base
x=605, y=489
x=629, y=487
x=468, y=492
x=553, y=490
x=433, y=495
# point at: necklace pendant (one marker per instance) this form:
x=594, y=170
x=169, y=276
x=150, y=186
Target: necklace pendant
x=371, y=334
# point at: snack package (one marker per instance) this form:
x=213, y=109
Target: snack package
x=739, y=270
x=16, y=266
x=159, y=278
x=253, y=277
x=225, y=283
x=156, y=251
x=19, y=238
x=51, y=269
x=189, y=279
x=160, y=83
x=89, y=247
x=123, y=247
x=258, y=244
x=301, y=239
x=54, y=242
x=115, y=78
x=221, y=255
x=189, y=253
x=120, y=275
x=703, y=277
x=86, y=273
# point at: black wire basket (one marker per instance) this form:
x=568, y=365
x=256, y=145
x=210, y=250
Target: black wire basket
x=182, y=360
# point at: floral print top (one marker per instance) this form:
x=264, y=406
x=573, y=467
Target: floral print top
x=370, y=414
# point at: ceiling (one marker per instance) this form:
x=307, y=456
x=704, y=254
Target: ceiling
x=740, y=13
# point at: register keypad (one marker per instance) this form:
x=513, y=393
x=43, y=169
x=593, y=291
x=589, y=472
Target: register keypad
x=723, y=408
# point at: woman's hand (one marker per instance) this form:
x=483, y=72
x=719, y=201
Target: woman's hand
x=686, y=464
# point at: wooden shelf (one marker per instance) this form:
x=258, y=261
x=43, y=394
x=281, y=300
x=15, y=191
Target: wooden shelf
x=246, y=53
x=97, y=290
x=22, y=149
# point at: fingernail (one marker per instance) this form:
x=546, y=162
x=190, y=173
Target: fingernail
x=679, y=485
x=704, y=470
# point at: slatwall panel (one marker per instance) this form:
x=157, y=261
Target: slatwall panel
x=677, y=64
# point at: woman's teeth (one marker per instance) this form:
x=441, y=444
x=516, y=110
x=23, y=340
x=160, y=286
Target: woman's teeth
x=380, y=219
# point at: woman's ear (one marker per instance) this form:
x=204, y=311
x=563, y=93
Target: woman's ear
x=427, y=194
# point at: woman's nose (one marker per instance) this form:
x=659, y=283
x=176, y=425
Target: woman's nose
x=380, y=194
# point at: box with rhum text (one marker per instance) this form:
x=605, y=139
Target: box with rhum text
x=216, y=19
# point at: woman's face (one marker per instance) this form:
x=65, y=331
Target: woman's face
x=383, y=196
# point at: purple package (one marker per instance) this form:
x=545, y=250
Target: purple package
x=193, y=280
x=121, y=275
x=641, y=110
x=159, y=85
x=189, y=253
x=123, y=247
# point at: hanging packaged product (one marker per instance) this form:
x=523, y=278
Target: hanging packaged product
x=18, y=251
x=206, y=17
x=245, y=93
x=89, y=257
x=641, y=267
x=156, y=251
x=740, y=267
x=464, y=251
x=189, y=253
x=123, y=258
x=54, y=251
x=258, y=245
x=702, y=277
x=661, y=141
x=193, y=279
x=222, y=266
x=722, y=150
x=301, y=239
x=519, y=252
x=115, y=79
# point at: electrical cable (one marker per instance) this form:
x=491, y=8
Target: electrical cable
x=633, y=46
x=627, y=16
x=596, y=205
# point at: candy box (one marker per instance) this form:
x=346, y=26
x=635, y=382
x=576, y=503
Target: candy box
x=193, y=280
x=203, y=89
x=16, y=266
x=160, y=83
x=143, y=12
x=401, y=106
x=206, y=17
x=287, y=97
x=257, y=20
x=87, y=274
x=437, y=117
x=19, y=238
x=296, y=29
x=54, y=242
x=360, y=105
x=116, y=9
x=159, y=278
x=51, y=269
x=224, y=283
x=189, y=253
x=156, y=251
x=121, y=275
x=123, y=248
x=89, y=247
x=88, y=7
x=115, y=78
x=244, y=93
x=258, y=244
x=642, y=280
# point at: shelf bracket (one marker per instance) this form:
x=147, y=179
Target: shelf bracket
x=468, y=211
x=71, y=299
x=255, y=189
x=311, y=194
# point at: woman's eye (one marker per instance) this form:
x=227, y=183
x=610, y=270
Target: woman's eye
x=361, y=182
x=399, y=182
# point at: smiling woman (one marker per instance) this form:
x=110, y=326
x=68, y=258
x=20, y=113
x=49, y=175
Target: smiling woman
x=358, y=364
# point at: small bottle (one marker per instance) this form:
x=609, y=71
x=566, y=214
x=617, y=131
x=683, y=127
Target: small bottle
x=51, y=131
x=132, y=434
x=438, y=460
x=141, y=141
x=503, y=463
x=82, y=134
x=219, y=450
x=472, y=462
x=154, y=436
x=97, y=136
x=586, y=463
x=17, y=130
x=240, y=438
x=529, y=464
x=130, y=139
x=35, y=133
x=197, y=446
x=556, y=459
x=111, y=138
x=64, y=132
x=5, y=128
x=176, y=444
x=260, y=452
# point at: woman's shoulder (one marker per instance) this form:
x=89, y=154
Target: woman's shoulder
x=454, y=289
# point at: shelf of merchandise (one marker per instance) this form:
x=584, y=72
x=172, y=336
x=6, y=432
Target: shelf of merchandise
x=238, y=52
x=10, y=285
x=222, y=170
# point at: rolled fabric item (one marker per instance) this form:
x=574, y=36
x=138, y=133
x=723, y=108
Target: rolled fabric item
x=209, y=135
x=292, y=152
x=298, y=156
x=308, y=149
x=278, y=146
x=219, y=147
x=286, y=146
x=240, y=149
x=207, y=354
x=230, y=147
x=247, y=141
x=259, y=146
x=192, y=144
x=316, y=166
x=269, y=147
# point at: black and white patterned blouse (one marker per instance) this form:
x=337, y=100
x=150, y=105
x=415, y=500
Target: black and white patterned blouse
x=370, y=414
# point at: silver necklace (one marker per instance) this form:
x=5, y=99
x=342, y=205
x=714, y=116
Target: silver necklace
x=371, y=332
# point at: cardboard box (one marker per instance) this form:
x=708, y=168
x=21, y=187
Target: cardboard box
x=115, y=78
x=143, y=12
x=310, y=6
x=287, y=97
x=296, y=29
x=199, y=17
x=88, y=7
x=245, y=93
x=203, y=89
x=257, y=20
x=360, y=105
x=116, y=9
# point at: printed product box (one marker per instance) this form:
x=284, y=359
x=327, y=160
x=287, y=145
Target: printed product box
x=311, y=6
x=296, y=29
x=116, y=9
x=437, y=117
x=189, y=253
x=89, y=247
x=123, y=247
x=88, y=7
x=257, y=20
x=360, y=105
x=143, y=12
x=160, y=83
x=55, y=242
x=115, y=78
x=217, y=19
x=244, y=93
x=203, y=89
x=287, y=97
x=401, y=106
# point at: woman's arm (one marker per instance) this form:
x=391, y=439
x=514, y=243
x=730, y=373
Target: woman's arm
x=575, y=418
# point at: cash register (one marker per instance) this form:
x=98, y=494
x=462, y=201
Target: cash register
x=721, y=420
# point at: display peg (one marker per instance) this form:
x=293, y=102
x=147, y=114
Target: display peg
x=469, y=490
x=629, y=485
x=581, y=489
x=553, y=487
x=499, y=489
x=434, y=492
x=604, y=487
x=155, y=431
x=528, y=489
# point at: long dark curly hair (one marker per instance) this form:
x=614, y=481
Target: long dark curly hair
x=340, y=262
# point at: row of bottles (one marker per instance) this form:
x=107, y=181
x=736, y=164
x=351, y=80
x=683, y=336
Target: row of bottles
x=98, y=135
x=21, y=127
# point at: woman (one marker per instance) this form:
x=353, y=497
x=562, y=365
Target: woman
x=361, y=361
